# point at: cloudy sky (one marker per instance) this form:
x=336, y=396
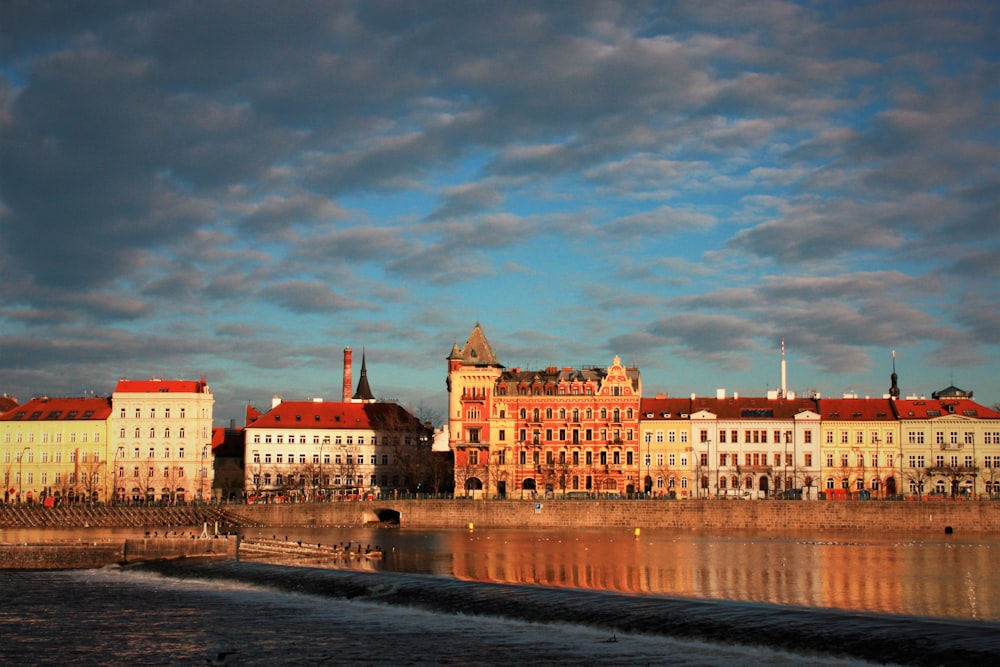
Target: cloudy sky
x=241, y=189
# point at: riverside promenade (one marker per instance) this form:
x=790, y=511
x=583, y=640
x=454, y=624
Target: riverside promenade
x=910, y=516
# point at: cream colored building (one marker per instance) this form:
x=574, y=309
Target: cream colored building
x=161, y=440
x=310, y=450
x=950, y=447
x=55, y=448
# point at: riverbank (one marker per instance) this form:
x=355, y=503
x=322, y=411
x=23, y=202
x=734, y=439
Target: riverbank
x=99, y=553
x=918, y=517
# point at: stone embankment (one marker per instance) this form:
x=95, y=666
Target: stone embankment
x=119, y=516
x=99, y=553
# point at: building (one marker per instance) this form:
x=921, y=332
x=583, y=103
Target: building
x=950, y=446
x=228, y=479
x=541, y=432
x=354, y=448
x=860, y=451
x=162, y=440
x=55, y=448
x=668, y=463
x=753, y=447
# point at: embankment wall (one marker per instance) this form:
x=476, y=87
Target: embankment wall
x=83, y=555
x=816, y=516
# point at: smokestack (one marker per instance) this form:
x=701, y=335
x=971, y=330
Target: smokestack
x=784, y=371
x=347, y=375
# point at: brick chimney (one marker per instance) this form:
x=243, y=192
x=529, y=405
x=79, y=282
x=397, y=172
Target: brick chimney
x=347, y=375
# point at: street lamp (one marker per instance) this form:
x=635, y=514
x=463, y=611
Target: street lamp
x=20, y=475
x=114, y=474
x=878, y=478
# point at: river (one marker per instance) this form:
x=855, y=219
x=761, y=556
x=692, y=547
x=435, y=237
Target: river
x=506, y=597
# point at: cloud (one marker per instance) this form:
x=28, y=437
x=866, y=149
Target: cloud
x=302, y=296
x=465, y=199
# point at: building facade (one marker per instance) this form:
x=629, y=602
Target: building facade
x=349, y=449
x=526, y=433
x=55, y=448
x=161, y=435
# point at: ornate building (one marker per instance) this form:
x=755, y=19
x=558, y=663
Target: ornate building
x=541, y=432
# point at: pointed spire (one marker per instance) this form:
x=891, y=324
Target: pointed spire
x=893, y=379
x=364, y=392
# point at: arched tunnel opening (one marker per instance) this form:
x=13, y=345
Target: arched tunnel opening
x=384, y=516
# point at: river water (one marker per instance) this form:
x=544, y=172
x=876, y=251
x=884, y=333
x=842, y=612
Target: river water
x=509, y=597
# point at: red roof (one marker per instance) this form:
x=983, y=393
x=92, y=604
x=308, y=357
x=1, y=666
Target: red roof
x=753, y=407
x=664, y=408
x=931, y=409
x=337, y=415
x=62, y=409
x=859, y=409
x=156, y=385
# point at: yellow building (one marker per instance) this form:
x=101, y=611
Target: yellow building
x=860, y=450
x=669, y=466
x=55, y=448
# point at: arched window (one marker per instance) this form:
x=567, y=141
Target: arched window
x=722, y=482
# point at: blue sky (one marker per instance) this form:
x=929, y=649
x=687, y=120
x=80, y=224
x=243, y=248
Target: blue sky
x=241, y=189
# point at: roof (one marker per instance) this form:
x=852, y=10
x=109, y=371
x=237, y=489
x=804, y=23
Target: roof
x=364, y=392
x=476, y=351
x=60, y=409
x=337, y=415
x=552, y=376
x=753, y=407
x=665, y=408
x=856, y=409
x=156, y=385
x=932, y=409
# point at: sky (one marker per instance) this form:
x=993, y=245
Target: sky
x=240, y=190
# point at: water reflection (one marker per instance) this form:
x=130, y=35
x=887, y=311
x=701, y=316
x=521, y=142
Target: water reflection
x=898, y=576
x=935, y=577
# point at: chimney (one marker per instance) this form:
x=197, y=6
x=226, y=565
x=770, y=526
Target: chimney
x=347, y=375
x=275, y=401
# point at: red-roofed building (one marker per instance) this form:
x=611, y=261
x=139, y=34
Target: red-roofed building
x=950, y=447
x=315, y=449
x=755, y=447
x=55, y=448
x=162, y=437
x=667, y=461
x=861, y=454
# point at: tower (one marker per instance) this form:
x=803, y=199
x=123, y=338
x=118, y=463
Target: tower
x=346, y=395
x=784, y=371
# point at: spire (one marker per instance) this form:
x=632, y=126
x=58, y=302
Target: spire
x=364, y=392
x=894, y=386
